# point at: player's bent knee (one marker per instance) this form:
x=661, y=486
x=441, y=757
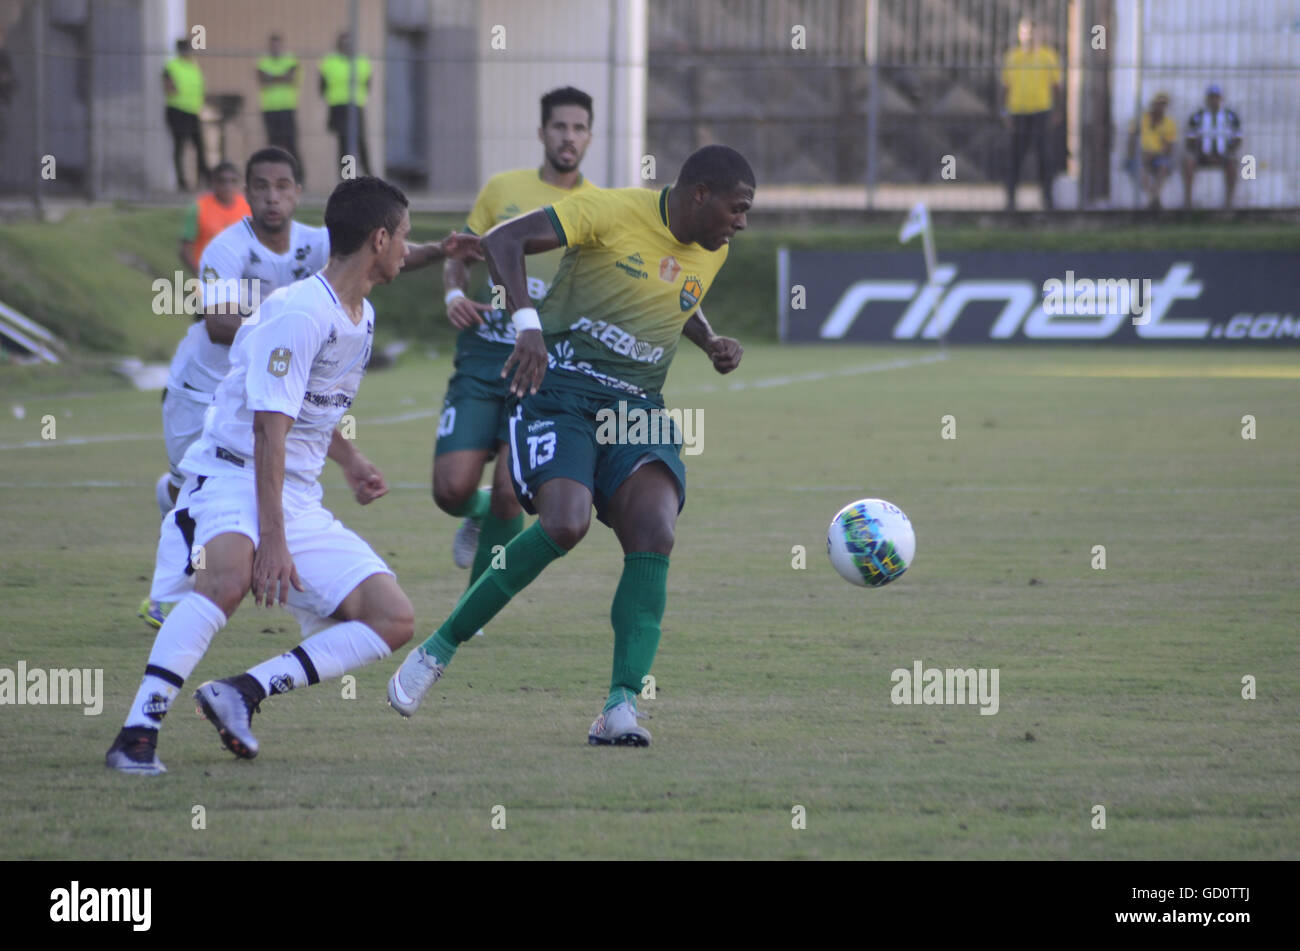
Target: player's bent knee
x=225, y=589
x=451, y=497
x=566, y=531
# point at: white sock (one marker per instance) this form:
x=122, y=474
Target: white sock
x=344, y=647
x=177, y=650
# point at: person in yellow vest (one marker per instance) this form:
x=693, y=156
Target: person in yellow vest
x=183, y=87
x=1154, y=134
x=212, y=214
x=336, y=88
x=279, y=78
x=1031, y=80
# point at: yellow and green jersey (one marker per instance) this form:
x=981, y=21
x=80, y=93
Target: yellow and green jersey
x=507, y=196
x=624, y=289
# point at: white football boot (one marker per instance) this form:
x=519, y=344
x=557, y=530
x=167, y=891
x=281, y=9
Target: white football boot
x=617, y=726
x=412, y=680
x=465, y=544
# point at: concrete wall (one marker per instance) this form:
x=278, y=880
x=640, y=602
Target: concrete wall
x=596, y=45
x=1252, y=49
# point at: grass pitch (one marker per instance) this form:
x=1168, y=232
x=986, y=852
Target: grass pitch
x=1119, y=687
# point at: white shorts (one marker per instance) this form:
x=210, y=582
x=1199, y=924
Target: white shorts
x=331, y=559
x=182, y=424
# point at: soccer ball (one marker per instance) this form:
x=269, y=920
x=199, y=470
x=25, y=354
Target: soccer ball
x=870, y=542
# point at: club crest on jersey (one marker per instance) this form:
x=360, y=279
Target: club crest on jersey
x=669, y=269
x=692, y=291
x=209, y=273
x=301, y=253
x=333, y=337
x=278, y=365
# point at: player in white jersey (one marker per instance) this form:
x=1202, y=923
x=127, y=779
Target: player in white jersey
x=240, y=267
x=249, y=515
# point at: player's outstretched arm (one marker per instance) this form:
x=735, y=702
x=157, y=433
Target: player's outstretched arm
x=364, y=478
x=725, y=352
x=458, y=246
x=504, y=248
x=273, y=568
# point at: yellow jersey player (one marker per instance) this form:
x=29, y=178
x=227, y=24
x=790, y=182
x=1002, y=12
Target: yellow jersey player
x=636, y=266
x=472, y=424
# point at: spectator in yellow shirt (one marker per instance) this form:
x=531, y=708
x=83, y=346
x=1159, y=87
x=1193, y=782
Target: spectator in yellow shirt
x=1154, y=134
x=1031, y=79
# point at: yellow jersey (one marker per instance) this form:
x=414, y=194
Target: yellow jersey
x=1029, y=75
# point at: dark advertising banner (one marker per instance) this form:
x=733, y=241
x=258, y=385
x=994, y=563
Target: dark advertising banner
x=1227, y=297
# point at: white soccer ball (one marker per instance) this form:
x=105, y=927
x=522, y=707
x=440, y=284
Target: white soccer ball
x=870, y=542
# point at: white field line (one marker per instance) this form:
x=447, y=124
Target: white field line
x=431, y=413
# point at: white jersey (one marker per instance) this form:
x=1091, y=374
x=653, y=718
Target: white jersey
x=236, y=267
x=302, y=356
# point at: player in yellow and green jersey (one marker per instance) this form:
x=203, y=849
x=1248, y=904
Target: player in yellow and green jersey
x=636, y=265
x=472, y=426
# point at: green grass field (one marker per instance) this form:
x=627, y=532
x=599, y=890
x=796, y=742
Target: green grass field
x=1119, y=687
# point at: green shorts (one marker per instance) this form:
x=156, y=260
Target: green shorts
x=474, y=412
x=556, y=433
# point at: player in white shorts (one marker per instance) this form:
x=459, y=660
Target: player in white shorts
x=240, y=267
x=249, y=515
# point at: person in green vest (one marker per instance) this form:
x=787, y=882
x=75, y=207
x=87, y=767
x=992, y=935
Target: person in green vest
x=279, y=77
x=183, y=88
x=336, y=88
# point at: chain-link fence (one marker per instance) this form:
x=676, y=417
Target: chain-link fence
x=837, y=103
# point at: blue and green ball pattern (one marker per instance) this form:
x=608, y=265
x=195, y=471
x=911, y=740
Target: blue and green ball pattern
x=874, y=554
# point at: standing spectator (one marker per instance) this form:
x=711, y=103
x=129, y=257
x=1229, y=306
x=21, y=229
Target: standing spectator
x=1213, y=137
x=1151, y=146
x=336, y=87
x=212, y=214
x=279, y=79
x=1031, y=79
x=183, y=86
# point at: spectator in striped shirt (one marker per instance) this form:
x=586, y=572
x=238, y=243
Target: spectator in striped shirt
x=1213, y=137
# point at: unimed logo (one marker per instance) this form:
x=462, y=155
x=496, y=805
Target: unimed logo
x=77, y=904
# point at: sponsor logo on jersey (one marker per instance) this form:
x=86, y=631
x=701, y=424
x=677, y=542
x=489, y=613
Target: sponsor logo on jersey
x=278, y=365
x=692, y=291
x=615, y=339
x=301, y=253
x=331, y=399
x=669, y=269
x=253, y=258
x=333, y=338
x=508, y=212
x=540, y=425
x=629, y=266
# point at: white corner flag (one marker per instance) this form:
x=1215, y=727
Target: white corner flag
x=918, y=222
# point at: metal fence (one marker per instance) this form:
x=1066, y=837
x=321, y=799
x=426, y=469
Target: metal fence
x=839, y=103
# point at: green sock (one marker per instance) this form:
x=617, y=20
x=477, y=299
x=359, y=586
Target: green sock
x=476, y=506
x=493, y=532
x=527, y=554
x=637, y=611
